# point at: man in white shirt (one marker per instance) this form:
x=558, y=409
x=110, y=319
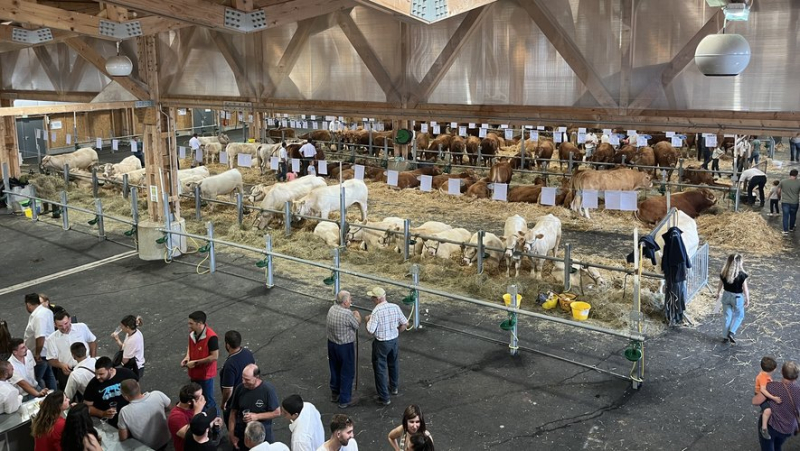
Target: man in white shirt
x=590, y=142
x=24, y=375
x=254, y=436
x=40, y=325
x=753, y=178
x=82, y=374
x=342, y=435
x=145, y=416
x=10, y=399
x=386, y=322
x=308, y=152
x=306, y=423
x=58, y=345
x=282, y=160
x=194, y=143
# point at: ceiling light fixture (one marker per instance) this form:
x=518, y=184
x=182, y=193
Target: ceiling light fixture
x=119, y=65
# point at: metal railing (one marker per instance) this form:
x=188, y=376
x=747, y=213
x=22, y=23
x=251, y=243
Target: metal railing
x=697, y=275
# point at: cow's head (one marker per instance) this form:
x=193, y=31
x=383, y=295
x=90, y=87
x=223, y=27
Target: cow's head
x=469, y=255
x=108, y=170
x=388, y=235
x=431, y=247
x=300, y=208
x=709, y=197
x=646, y=181
x=530, y=242
x=258, y=193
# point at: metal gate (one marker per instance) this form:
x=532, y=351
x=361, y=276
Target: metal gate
x=697, y=275
x=29, y=145
x=203, y=121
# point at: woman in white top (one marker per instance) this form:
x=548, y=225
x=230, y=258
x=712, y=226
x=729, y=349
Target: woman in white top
x=133, y=346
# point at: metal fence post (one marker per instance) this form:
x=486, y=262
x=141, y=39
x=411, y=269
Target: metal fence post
x=567, y=266
x=239, y=211
x=94, y=182
x=738, y=198
x=680, y=173
x=406, y=238
x=167, y=225
x=414, y=150
x=270, y=281
x=101, y=229
x=212, y=256
x=370, y=141
x=66, y=176
x=64, y=211
x=336, y=275
x=33, y=204
x=415, y=282
x=481, y=235
x=513, y=344
x=287, y=218
x=198, y=214
x=124, y=186
x=669, y=199
x=135, y=205
x=6, y=181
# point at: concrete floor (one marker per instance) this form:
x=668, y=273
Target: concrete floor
x=457, y=367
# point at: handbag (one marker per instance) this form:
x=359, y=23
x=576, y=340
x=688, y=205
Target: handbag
x=131, y=365
x=794, y=411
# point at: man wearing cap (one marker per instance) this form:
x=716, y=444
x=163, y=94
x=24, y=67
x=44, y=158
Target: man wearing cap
x=385, y=323
x=198, y=440
x=342, y=325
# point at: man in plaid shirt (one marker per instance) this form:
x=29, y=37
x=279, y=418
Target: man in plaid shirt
x=343, y=326
x=385, y=323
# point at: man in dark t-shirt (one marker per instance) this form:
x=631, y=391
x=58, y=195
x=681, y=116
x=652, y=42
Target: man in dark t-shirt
x=253, y=400
x=230, y=376
x=105, y=389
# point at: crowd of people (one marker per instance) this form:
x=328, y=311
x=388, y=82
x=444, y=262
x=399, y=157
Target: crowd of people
x=56, y=361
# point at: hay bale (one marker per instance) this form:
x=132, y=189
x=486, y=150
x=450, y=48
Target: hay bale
x=746, y=232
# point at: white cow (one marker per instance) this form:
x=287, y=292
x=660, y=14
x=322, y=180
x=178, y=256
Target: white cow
x=370, y=238
x=190, y=177
x=426, y=229
x=329, y=232
x=211, y=152
x=322, y=201
x=135, y=178
x=128, y=164
x=265, y=152
x=280, y=193
x=690, y=238
x=577, y=276
x=440, y=249
x=226, y=183
x=514, y=236
x=490, y=240
x=83, y=158
x=544, y=237
x=234, y=149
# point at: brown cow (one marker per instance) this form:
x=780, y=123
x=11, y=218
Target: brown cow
x=479, y=189
x=621, y=179
x=333, y=170
x=441, y=181
x=428, y=170
x=293, y=150
x=473, y=144
x=433, y=149
x=405, y=179
x=525, y=193
x=317, y=135
x=694, y=175
x=423, y=140
x=544, y=152
x=501, y=172
x=604, y=153
x=692, y=203
x=624, y=155
x=281, y=133
x=666, y=157
x=458, y=148
x=489, y=147
x=567, y=151
x=645, y=156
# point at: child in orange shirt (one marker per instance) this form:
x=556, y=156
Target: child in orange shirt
x=762, y=396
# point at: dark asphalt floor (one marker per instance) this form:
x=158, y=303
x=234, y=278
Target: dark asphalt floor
x=457, y=367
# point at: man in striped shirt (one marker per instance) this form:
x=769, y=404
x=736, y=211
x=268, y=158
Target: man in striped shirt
x=343, y=326
x=385, y=323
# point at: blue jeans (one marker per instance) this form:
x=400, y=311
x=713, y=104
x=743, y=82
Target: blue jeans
x=794, y=150
x=342, y=362
x=44, y=375
x=384, y=353
x=208, y=391
x=789, y=216
x=733, y=306
x=775, y=443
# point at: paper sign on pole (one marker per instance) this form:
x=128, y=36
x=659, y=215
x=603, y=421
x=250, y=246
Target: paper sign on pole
x=484, y=125
x=462, y=131
x=359, y=172
x=69, y=138
x=641, y=141
x=632, y=132
x=581, y=130
x=323, y=167
x=628, y=201
x=589, y=198
x=273, y=163
x=284, y=123
x=581, y=137
x=453, y=124
x=509, y=133
x=250, y=118
x=607, y=131
x=181, y=111
x=436, y=129
x=223, y=157
x=433, y=123
x=324, y=125
x=181, y=152
x=503, y=125
x=391, y=178
x=540, y=127
x=198, y=155
x=613, y=140
x=315, y=125
x=423, y=128
x=676, y=142
x=38, y=133
x=557, y=137
x=228, y=115
x=454, y=187
x=562, y=129
x=240, y=116
x=612, y=200
x=471, y=125
x=534, y=135
x=99, y=143
x=500, y=192
x=711, y=141
x=245, y=159
x=670, y=134
x=295, y=165
x=548, y=195
x=482, y=133
x=134, y=146
x=425, y=183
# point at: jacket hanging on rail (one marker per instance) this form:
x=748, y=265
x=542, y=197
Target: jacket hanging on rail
x=674, y=263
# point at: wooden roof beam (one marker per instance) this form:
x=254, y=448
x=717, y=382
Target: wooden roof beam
x=95, y=59
x=368, y=56
x=234, y=62
x=290, y=55
x=568, y=50
x=49, y=68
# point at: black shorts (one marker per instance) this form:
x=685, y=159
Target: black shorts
x=764, y=405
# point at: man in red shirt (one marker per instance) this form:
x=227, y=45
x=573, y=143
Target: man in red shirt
x=191, y=403
x=201, y=355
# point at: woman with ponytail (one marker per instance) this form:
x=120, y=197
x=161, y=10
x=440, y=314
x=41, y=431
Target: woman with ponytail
x=734, y=295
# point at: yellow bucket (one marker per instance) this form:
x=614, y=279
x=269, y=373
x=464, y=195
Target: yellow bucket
x=580, y=310
x=550, y=303
x=251, y=140
x=507, y=300
x=28, y=213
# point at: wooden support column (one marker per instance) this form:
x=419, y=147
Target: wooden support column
x=258, y=125
x=160, y=158
x=9, y=150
